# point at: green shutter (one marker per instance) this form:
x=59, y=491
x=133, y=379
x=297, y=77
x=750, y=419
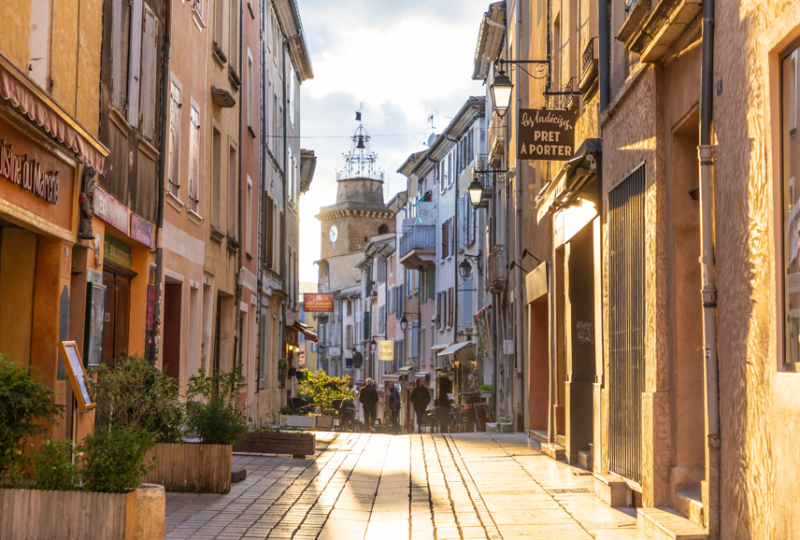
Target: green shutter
x=431, y=281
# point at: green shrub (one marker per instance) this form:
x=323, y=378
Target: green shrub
x=215, y=419
x=135, y=393
x=290, y=411
x=53, y=468
x=25, y=407
x=485, y=388
x=114, y=458
x=320, y=389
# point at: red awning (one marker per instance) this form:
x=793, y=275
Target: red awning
x=310, y=336
x=37, y=106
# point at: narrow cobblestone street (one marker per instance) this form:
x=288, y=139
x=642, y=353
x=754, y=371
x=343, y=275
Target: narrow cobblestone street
x=460, y=486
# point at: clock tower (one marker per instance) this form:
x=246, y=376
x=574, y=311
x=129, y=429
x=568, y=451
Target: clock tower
x=359, y=212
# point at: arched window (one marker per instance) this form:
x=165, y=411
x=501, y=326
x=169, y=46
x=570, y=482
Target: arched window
x=383, y=229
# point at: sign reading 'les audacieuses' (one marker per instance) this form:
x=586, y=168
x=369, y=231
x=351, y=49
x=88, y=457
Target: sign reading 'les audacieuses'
x=547, y=135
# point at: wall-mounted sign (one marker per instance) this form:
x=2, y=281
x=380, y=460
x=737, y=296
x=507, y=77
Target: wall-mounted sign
x=117, y=252
x=142, y=231
x=358, y=360
x=110, y=210
x=28, y=173
x=386, y=351
x=547, y=135
x=317, y=302
x=77, y=375
x=334, y=351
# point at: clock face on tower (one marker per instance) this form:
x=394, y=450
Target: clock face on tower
x=334, y=234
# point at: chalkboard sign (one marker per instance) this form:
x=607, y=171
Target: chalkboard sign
x=77, y=374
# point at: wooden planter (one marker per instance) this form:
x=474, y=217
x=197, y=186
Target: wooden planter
x=31, y=514
x=298, y=445
x=191, y=467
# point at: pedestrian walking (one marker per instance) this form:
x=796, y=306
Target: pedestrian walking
x=394, y=405
x=420, y=398
x=368, y=397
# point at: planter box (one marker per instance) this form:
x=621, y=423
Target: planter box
x=497, y=427
x=297, y=420
x=192, y=467
x=299, y=445
x=30, y=514
x=323, y=422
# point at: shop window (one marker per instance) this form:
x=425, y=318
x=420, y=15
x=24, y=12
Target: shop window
x=791, y=207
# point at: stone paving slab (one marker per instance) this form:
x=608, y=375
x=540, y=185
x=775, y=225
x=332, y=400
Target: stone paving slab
x=471, y=486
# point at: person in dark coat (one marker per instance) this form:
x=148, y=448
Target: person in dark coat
x=420, y=398
x=368, y=397
x=394, y=405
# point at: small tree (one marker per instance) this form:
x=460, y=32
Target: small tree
x=135, y=393
x=216, y=419
x=25, y=406
x=319, y=388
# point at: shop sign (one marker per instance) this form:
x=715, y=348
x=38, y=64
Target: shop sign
x=547, y=135
x=117, y=252
x=151, y=305
x=110, y=210
x=28, y=174
x=334, y=351
x=142, y=231
x=386, y=351
x=317, y=302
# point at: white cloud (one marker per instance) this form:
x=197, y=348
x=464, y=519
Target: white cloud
x=403, y=61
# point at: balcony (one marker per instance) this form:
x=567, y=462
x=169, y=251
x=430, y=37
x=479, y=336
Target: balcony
x=486, y=178
x=418, y=246
x=666, y=29
x=496, y=272
x=589, y=71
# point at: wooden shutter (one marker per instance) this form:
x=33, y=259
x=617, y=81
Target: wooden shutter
x=172, y=330
x=431, y=281
x=135, y=62
x=218, y=11
x=451, y=232
x=450, y=306
x=438, y=310
x=120, y=12
x=282, y=246
x=233, y=57
x=149, y=73
x=194, y=158
x=174, y=139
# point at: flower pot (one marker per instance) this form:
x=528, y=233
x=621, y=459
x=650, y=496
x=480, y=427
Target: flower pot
x=299, y=445
x=192, y=467
x=84, y=515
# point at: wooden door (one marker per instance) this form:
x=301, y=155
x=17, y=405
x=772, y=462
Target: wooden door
x=122, y=315
x=109, y=280
x=172, y=329
x=217, y=337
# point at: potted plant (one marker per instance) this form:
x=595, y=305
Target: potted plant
x=322, y=390
x=213, y=416
x=104, y=482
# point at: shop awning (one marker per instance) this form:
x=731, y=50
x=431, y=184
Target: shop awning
x=455, y=347
x=35, y=104
x=405, y=369
x=310, y=336
x=421, y=374
x=438, y=347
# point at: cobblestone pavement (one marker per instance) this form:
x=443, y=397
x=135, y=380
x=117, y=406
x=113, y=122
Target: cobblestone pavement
x=412, y=487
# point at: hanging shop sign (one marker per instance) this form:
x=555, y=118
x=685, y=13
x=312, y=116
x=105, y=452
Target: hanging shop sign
x=317, y=303
x=358, y=360
x=117, y=252
x=142, y=231
x=110, y=210
x=547, y=135
x=386, y=351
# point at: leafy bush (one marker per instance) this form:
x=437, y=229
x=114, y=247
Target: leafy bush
x=321, y=389
x=290, y=411
x=216, y=419
x=485, y=388
x=114, y=458
x=53, y=468
x=25, y=406
x=133, y=392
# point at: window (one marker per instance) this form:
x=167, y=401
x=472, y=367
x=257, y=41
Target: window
x=149, y=73
x=249, y=98
x=216, y=177
x=450, y=307
x=269, y=241
x=174, y=140
x=120, y=20
x=292, y=83
x=248, y=215
x=262, y=371
x=268, y=27
x=391, y=265
x=445, y=239
x=791, y=206
x=134, y=62
x=233, y=57
x=233, y=193
x=194, y=159
x=218, y=15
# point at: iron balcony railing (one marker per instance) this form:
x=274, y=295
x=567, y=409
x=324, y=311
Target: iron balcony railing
x=485, y=171
x=418, y=237
x=567, y=100
x=587, y=59
x=496, y=272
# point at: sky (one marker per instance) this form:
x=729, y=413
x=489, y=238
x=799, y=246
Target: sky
x=399, y=61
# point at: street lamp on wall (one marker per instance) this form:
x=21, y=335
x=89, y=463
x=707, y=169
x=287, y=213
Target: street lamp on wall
x=501, y=92
x=404, y=324
x=373, y=345
x=465, y=268
x=475, y=190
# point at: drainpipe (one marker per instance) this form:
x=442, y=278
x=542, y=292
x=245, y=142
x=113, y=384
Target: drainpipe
x=165, y=97
x=711, y=499
x=603, y=44
x=237, y=330
x=517, y=234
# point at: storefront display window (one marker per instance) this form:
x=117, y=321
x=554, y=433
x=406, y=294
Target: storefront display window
x=791, y=205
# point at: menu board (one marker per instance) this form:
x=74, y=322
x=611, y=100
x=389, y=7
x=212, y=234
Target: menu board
x=94, y=324
x=77, y=374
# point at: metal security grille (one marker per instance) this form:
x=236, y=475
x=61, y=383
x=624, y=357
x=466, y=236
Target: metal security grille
x=626, y=324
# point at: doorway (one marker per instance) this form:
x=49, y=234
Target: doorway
x=539, y=372
x=172, y=329
x=117, y=317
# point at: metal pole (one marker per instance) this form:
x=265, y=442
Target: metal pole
x=518, y=412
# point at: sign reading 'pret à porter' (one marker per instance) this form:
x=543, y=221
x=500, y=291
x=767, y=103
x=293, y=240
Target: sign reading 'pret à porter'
x=547, y=135
x=317, y=302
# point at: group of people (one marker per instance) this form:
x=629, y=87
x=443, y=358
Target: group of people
x=368, y=397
